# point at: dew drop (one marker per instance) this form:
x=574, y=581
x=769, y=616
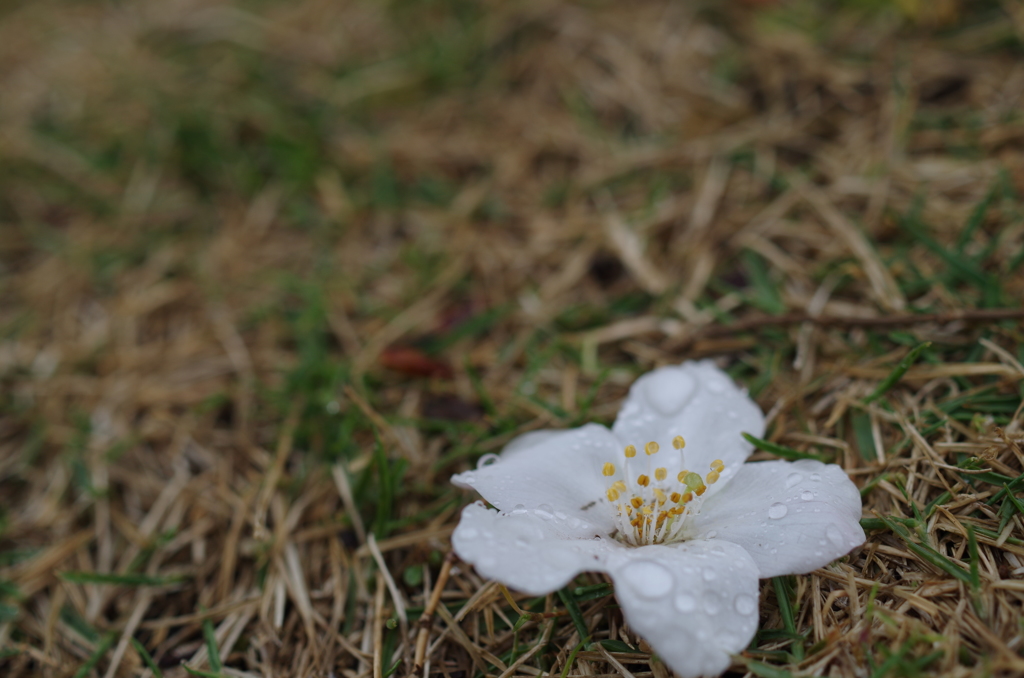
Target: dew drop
x=715, y=385
x=709, y=574
x=518, y=509
x=793, y=479
x=686, y=603
x=816, y=477
x=712, y=604
x=807, y=495
x=711, y=534
x=777, y=510
x=745, y=604
x=487, y=460
x=668, y=390
x=648, y=579
x=834, y=535
x=544, y=511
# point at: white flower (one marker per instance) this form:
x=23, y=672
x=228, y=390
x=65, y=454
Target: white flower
x=664, y=504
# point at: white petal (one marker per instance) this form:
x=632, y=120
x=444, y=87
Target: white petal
x=699, y=402
x=528, y=440
x=695, y=603
x=791, y=517
x=559, y=476
x=524, y=552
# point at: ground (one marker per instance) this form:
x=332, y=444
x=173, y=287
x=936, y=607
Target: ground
x=271, y=272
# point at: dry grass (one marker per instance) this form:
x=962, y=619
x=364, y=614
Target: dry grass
x=271, y=272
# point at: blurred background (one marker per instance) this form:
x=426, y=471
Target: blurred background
x=271, y=271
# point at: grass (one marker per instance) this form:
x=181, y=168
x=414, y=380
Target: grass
x=270, y=273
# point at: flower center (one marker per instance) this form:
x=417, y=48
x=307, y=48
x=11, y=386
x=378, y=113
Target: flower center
x=654, y=512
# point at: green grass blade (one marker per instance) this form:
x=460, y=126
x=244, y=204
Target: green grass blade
x=101, y=649
x=780, y=450
x=147, y=659
x=571, y=659
x=201, y=673
x=763, y=670
x=128, y=579
x=782, y=595
x=569, y=600
x=211, y=645
x=928, y=554
x=897, y=372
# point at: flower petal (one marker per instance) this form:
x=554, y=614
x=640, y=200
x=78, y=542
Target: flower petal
x=699, y=402
x=560, y=475
x=524, y=552
x=791, y=517
x=695, y=603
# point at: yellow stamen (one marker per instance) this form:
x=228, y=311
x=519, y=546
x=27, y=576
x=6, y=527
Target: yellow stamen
x=678, y=442
x=613, y=494
x=660, y=473
x=630, y=451
x=643, y=481
x=637, y=502
x=675, y=497
x=712, y=478
x=682, y=476
x=717, y=465
x=688, y=497
x=652, y=448
x=619, y=485
x=647, y=511
x=609, y=469
x=701, y=490
x=660, y=494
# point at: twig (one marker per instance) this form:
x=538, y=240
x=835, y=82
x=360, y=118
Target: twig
x=428, y=613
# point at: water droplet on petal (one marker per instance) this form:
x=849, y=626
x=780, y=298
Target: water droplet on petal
x=793, y=479
x=807, y=495
x=711, y=534
x=712, y=604
x=648, y=579
x=835, y=535
x=668, y=390
x=686, y=602
x=777, y=510
x=487, y=460
x=544, y=511
x=709, y=574
x=518, y=509
x=816, y=477
x=715, y=385
x=745, y=604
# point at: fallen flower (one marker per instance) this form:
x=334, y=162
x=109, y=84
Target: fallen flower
x=664, y=504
